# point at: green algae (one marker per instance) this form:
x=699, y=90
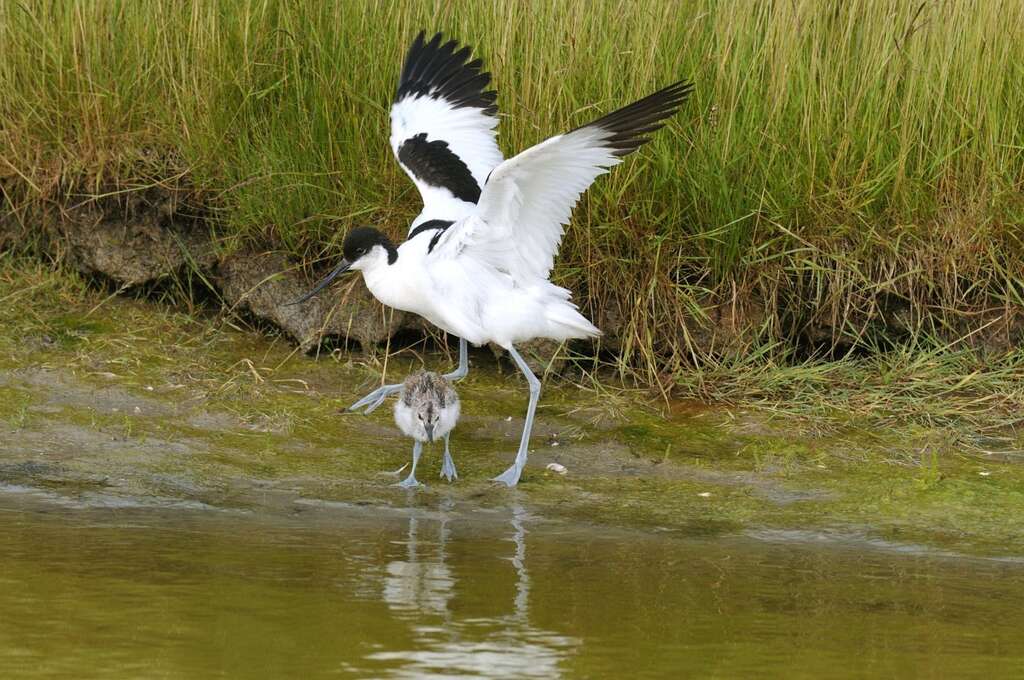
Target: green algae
x=15, y=406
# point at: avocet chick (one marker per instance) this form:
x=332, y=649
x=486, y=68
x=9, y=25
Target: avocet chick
x=427, y=409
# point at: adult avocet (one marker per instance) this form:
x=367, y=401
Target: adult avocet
x=476, y=260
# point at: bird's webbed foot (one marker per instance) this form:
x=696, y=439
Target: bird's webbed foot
x=409, y=483
x=509, y=477
x=448, y=468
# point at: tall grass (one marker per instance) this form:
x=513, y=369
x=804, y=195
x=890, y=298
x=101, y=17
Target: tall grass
x=840, y=164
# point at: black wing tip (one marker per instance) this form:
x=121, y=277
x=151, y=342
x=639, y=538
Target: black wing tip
x=442, y=69
x=628, y=128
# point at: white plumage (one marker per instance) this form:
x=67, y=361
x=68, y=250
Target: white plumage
x=529, y=199
x=469, y=297
x=477, y=259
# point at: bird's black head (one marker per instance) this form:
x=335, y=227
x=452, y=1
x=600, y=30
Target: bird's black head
x=360, y=242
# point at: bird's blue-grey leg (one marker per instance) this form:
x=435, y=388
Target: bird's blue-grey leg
x=463, y=370
x=410, y=481
x=448, y=466
x=374, y=399
x=510, y=477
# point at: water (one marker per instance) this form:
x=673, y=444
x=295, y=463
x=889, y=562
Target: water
x=449, y=590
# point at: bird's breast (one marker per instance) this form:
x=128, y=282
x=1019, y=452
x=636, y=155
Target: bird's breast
x=396, y=287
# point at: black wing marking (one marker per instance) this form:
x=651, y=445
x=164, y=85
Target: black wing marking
x=428, y=225
x=435, y=164
x=437, y=237
x=440, y=225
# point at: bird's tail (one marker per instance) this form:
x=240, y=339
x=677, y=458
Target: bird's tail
x=565, y=322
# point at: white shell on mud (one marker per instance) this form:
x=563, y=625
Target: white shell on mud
x=557, y=467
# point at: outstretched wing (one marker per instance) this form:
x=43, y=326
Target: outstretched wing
x=443, y=127
x=528, y=199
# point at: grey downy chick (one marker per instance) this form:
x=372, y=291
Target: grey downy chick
x=427, y=409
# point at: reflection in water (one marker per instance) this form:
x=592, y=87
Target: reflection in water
x=423, y=584
x=498, y=646
x=519, y=562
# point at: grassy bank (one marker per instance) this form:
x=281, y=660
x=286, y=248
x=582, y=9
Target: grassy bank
x=846, y=174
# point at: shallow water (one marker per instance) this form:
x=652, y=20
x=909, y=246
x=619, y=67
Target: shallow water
x=444, y=589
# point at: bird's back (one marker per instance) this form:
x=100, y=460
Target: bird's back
x=428, y=385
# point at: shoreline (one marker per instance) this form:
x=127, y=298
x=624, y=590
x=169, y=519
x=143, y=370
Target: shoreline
x=106, y=395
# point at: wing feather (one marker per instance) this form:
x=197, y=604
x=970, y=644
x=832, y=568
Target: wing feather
x=528, y=199
x=443, y=124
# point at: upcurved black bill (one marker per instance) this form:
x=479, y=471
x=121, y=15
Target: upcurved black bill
x=324, y=282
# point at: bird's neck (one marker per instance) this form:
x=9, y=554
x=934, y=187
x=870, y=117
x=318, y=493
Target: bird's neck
x=391, y=250
x=393, y=284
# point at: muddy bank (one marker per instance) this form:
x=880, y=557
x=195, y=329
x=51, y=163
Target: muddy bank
x=99, y=438
x=158, y=235
x=109, y=401
x=144, y=237
x=234, y=435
